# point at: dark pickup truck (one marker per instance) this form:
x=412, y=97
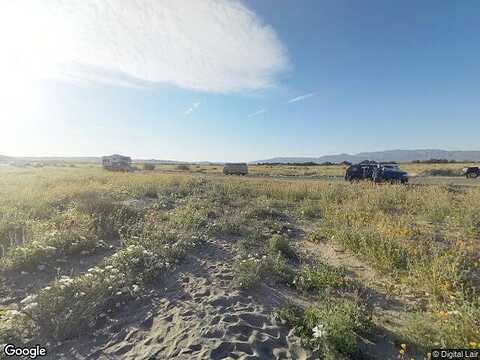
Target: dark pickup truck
x=472, y=172
x=376, y=172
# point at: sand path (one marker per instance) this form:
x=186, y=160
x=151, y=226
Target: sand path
x=199, y=314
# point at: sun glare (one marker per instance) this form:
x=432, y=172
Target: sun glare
x=35, y=42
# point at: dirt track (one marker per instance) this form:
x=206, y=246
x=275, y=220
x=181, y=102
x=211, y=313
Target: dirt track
x=414, y=180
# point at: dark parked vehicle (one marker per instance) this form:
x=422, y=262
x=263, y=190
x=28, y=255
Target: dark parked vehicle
x=389, y=174
x=472, y=172
x=235, y=169
x=376, y=172
x=360, y=171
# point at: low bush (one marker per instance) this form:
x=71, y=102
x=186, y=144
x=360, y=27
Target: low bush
x=330, y=329
x=278, y=267
x=280, y=244
x=248, y=272
x=309, y=209
x=320, y=277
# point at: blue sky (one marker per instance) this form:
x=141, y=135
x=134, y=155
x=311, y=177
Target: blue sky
x=258, y=79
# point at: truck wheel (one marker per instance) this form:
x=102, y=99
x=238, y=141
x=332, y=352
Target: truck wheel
x=472, y=175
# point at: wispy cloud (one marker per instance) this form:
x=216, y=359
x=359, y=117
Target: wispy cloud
x=262, y=111
x=192, y=44
x=192, y=108
x=300, y=98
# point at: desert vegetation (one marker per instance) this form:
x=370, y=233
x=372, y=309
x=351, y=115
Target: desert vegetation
x=77, y=245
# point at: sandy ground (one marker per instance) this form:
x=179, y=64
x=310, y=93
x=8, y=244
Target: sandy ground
x=197, y=314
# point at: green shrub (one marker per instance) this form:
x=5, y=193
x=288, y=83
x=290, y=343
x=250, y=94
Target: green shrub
x=248, y=272
x=332, y=328
x=252, y=243
x=264, y=212
x=278, y=267
x=280, y=244
x=309, y=209
x=319, y=277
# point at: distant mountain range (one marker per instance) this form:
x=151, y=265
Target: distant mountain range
x=46, y=159
x=390, y=155
x=77, y=160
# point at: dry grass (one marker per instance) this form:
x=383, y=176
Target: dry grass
x=425, y=239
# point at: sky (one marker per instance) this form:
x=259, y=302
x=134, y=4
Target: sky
x=227, y=80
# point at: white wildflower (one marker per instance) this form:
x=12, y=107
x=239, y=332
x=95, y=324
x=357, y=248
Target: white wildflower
x=29, y=299
x=319, y=331
x=13, y=313
x=66, y=280
x=135, y=288
x=31, y=307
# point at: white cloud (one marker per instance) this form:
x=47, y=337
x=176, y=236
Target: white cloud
x=300, y=98
x=192, y=108
x=259, y=112
x=206, y=45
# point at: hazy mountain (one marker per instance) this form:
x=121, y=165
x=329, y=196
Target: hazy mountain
x=54, y=159
x=76, y=159
x=157, y=162
x=390, y=155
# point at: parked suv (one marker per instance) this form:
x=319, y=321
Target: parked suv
x=376, y=172
x=389, y=174
x=471, y=172
x=360, y=171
